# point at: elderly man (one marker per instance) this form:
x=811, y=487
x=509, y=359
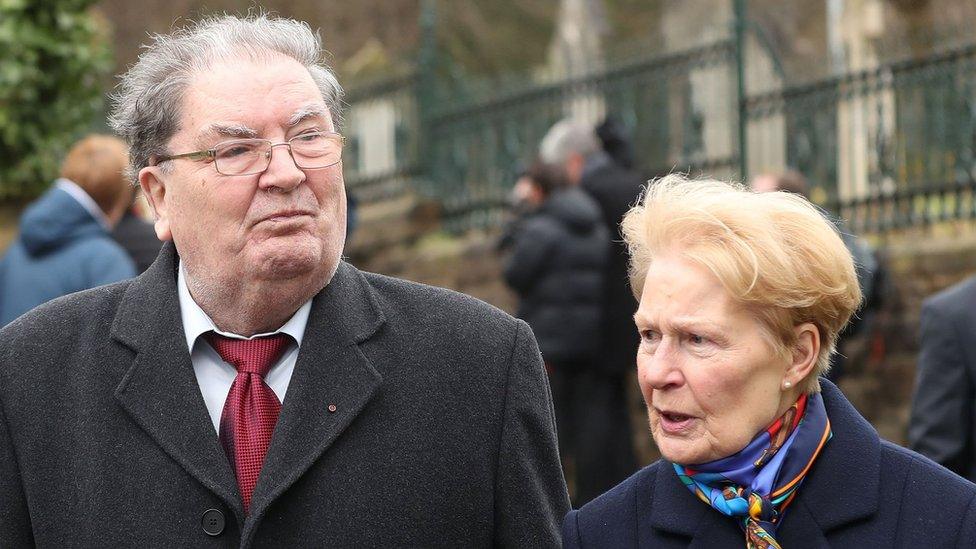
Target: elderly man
x=251, y=389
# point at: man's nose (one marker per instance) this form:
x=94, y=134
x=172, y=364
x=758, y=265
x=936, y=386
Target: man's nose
x=282, y=171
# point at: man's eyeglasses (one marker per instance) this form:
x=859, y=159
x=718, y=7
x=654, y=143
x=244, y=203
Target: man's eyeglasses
x=310, y=151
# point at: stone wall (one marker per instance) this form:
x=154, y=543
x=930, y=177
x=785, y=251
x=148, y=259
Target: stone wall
x=402, y=237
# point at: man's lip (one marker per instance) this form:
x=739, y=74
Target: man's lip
x=285, y=215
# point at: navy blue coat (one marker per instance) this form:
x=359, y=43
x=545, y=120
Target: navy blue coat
x=861, y=492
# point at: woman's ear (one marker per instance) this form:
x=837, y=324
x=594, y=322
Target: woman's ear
x=805, y=354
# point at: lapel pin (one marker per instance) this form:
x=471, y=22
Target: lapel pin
x=332, y=408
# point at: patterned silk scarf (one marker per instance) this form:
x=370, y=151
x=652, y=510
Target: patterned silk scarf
x=756, y=485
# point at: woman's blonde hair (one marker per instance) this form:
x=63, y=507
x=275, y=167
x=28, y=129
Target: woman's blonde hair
x=775, y=253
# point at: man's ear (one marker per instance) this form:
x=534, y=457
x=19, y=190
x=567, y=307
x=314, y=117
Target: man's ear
x=805, y=353
x=154, y=187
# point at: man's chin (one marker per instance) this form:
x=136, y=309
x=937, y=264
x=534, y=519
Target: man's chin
x=284, y=260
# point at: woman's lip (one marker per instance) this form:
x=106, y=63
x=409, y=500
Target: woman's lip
x=674, y=423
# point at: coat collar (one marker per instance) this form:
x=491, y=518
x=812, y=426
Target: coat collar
x=161, y=394
x=849, y=464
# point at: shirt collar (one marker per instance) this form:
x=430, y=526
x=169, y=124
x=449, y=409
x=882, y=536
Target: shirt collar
x=86, y=201
x=196, y=322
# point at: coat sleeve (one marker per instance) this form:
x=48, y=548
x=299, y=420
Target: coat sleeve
x=942, y=407
x=530, y=491
x=530, y=253
x=15, y=525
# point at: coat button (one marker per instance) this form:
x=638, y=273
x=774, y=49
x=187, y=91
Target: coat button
x=213, y=522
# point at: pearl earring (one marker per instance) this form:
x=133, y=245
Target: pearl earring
x=787, y=384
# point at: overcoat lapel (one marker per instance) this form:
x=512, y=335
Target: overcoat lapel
x=160, y=391
x=332, y=383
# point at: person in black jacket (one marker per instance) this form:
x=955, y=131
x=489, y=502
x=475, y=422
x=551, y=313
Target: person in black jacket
x=575, y=146
x=559, y=254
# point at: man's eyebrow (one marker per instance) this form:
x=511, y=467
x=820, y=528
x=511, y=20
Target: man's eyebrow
x=233, y=131
x=305, y=113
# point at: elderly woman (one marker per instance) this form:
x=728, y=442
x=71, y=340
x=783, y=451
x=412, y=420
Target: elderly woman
x=742, y=296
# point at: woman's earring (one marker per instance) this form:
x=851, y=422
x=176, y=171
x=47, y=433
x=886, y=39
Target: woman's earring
x=787, y=384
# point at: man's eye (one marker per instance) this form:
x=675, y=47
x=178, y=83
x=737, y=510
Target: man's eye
x=235, y=150
x=649, y=336
x=309, y=137
x=696, y=339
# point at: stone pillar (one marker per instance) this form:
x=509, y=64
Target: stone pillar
x=860, y=117
x=576, y=52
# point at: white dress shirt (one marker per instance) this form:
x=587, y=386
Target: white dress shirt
x=216, y=376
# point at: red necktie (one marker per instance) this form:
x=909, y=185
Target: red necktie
x=251, y=409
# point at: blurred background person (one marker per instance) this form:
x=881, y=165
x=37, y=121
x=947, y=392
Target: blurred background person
x=870, y=274
x=558, y=255
x=615, y=143
x=578, y=149
x=64, y=243
x=943, y=416
x=743, y=296
x=136, y=235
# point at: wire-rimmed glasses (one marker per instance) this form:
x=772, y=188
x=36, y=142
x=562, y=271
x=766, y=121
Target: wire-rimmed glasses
x=310, y=151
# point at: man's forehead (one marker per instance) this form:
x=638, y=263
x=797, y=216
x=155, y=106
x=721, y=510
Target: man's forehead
x=238, y=97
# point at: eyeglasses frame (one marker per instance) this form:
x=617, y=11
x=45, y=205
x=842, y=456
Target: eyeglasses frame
x=211, y=153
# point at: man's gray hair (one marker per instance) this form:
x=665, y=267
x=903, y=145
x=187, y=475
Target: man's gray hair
x=147, y=104
x=565, y=138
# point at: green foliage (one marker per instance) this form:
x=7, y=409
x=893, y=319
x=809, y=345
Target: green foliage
x=53, y=60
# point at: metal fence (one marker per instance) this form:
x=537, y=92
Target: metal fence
x=887, y=148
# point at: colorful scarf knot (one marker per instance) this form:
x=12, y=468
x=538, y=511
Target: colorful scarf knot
x=758, y=483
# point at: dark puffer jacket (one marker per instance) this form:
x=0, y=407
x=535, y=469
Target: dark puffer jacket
x=557, y=267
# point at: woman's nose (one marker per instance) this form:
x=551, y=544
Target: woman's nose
x=662, y=367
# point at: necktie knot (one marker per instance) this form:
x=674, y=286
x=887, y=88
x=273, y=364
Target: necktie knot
x=249, y=356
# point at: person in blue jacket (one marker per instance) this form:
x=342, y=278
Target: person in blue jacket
x=64, y=244
x=742, y=298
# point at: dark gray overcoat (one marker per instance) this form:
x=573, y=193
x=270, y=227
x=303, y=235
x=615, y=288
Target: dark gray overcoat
x=416, y=417
x=943, y=419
